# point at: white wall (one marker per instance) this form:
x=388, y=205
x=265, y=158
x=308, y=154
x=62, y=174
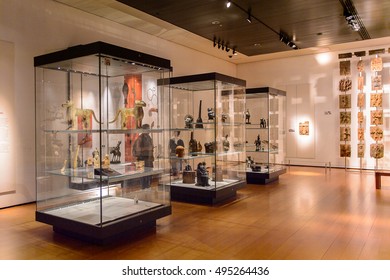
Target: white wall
x=37, y=27
x=321, y=72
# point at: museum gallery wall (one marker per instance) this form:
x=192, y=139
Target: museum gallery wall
x=315, y=101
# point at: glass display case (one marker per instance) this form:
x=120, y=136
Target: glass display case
x=265, y=119
x=207, y=145
x=100, y=134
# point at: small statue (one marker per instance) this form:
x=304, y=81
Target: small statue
x=210, y=113
x=247, y=117
x=189, y=121
x=202, y=175
x=258, y=143
x=263, y=123
x=255, y=168
x=192, y=145
x=188, y=175
x=116, y=153
x=210, y=147
x=106, y=161
x=224, y=117
x=249, y=161
x=226, y=144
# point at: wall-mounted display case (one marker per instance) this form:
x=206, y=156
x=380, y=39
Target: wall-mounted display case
x=265, y=134
x=100, y=134
x=207, y=141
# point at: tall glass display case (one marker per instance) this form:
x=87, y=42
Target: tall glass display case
x=100, y=134
x=265, y=134
x=207, y=145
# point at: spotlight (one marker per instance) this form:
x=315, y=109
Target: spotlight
x=351, y=21
x=286, y=40
x=228, y=4
x=249, y=19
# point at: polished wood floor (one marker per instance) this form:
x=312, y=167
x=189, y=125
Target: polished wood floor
x=309, y=214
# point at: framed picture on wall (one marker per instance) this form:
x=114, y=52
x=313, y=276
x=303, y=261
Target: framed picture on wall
x=344, y=101
x=376, y=133
x=376, y=150
x=360, y=134
x=360, y=82
x=360, y=117
x=376, y=117
x=345, y=118
x=345, y=150
x=345, y=68
x=361, y=100
x=376, y=64
x=360, y=150
x=360, y=66
x=345, y=133
x=376, y=100
x=304, y=128
x=345, y=84
x=376, y=82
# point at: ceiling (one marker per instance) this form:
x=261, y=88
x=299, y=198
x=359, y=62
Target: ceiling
x=209, y=26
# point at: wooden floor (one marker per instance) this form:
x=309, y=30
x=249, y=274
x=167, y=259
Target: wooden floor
x=308, y=214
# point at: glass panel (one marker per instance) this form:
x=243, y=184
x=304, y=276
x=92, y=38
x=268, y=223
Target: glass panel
x=207, y=146
x=265, y=133
x=101, y=140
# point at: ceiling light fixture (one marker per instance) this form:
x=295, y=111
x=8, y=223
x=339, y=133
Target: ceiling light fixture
x=283, y=37
x=249, y=18
x=228, y=4
x=218, y=42
x=351, y=21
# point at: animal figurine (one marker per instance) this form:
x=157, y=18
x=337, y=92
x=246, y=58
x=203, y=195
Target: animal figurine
x=116, y=153
x=73, y=113
x=137, y=112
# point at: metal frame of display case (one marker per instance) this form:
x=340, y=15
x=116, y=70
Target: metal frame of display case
x=223, y=97
x=99, y=203
x=269, y=124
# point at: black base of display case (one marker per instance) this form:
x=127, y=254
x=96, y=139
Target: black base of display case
x=119, y=229
x=263, y=178
x=204, y=195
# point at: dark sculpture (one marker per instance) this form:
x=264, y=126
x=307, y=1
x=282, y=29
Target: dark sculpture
x=189, y=121
x=224, y=117
x=258, y=143
x=199, y=121
x=192, y=145
x=226, y=144
x=263, y=123
x=143, y=151
x=210, y=113
x=116, y=153
x=210, y=147
x=202, y=175
x=247, y=117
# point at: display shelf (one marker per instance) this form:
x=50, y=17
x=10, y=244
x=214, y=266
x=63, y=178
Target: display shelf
x=265, y=134
x=100, y=169
x=206, y=113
